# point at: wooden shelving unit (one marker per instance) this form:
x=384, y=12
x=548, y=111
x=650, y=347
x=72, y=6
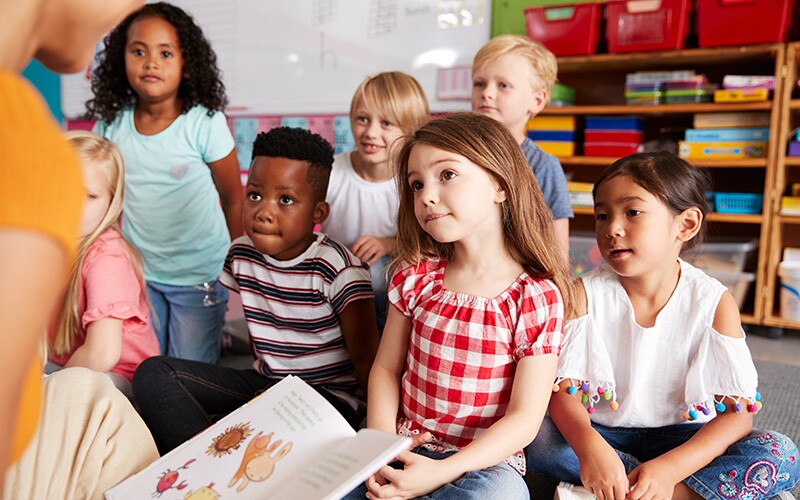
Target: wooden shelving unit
x=600, y=80
x=784, y=230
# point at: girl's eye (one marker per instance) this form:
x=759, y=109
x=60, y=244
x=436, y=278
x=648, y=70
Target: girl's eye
x=478, y=85
x=253, y=197
x=386, y=124
x=633, y=212
x=362, y=119
x=600, y=216
x=137, y=52
x=415, y=185
x=449, y=175
x=286, y=200
x=504, y=85
x=166, y=54
x=92, y=196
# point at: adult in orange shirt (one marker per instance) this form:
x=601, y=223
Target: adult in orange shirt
x=41, y=195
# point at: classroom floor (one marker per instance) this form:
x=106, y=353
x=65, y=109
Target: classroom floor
x=784, y=349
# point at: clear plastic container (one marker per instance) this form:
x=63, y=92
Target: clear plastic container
x=723, y=255
x=583, y=253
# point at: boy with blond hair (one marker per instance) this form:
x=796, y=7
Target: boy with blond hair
x=512, y=77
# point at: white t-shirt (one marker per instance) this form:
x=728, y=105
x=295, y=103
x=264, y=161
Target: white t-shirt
x=359, y=207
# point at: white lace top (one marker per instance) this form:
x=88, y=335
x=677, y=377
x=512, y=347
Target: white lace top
x=630, y=376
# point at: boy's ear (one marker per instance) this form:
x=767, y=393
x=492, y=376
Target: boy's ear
x=689, y=223
x=540, y=98
x=321, y=211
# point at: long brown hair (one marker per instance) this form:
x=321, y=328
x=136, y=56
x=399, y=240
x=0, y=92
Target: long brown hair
x=92, y=148
x=527, y=221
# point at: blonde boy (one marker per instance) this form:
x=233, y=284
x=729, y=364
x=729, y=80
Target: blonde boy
x=512, y=77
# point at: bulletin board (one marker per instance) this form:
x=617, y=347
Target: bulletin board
x=308, y=56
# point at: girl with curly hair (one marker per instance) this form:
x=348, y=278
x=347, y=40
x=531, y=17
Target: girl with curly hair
x=159, y=96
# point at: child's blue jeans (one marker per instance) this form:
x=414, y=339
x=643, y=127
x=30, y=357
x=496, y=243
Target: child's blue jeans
x=760, y=465
x=188, y=320
x=499, y=482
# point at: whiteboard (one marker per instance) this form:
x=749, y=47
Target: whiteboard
x=308, y=56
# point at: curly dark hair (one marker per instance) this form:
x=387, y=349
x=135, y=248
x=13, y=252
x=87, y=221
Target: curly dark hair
x=110, y=86
x=299, y=144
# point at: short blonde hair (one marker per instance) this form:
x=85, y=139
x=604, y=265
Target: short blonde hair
x=542, y=62
x=395, y=95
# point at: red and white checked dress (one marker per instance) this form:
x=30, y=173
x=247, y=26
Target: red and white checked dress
x=463, y=351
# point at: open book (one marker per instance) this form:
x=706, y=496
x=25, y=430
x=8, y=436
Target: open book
x=287, y=443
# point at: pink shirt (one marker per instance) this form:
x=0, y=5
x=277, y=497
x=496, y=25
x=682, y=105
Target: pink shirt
x=112, y=290
x=463, y=350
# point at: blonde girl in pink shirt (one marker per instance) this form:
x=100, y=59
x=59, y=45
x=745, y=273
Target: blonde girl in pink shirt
x=104, y=320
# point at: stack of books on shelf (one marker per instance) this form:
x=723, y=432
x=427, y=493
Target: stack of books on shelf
x=554, y=134
x=726, y=136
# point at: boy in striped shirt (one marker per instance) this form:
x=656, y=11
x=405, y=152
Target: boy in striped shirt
x=307, y=300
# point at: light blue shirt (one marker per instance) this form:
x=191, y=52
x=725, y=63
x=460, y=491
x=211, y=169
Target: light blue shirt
x=171, y=211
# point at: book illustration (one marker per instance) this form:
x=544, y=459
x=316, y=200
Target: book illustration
x=204, y=493
x=229, y=440
x=259, y=462
x=285, y=444
x=168, y=478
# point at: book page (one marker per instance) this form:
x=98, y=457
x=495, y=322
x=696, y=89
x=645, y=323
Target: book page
x=345, y=467
x=249, y=453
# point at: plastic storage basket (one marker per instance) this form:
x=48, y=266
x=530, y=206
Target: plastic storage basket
x=566, y=30
x=738, y=203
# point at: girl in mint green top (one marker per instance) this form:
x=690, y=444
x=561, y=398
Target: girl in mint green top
x=159, y=97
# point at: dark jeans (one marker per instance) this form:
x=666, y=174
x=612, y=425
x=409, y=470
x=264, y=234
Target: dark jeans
x=177, y=398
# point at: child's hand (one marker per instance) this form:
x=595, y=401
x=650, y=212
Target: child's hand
x=370, y=248
x=603, y=473
x=652, y=480
x=419, y=476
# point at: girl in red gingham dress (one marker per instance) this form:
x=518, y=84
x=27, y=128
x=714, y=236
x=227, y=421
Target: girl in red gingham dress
x=466, y=361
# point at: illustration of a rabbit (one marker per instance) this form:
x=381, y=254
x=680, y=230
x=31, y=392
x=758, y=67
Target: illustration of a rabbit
x=258, y=461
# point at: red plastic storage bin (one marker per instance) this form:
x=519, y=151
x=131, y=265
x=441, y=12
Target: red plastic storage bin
x=617, y=136
x=641, y=25
x=610, y=150
x=567, y=30
x=742, y=22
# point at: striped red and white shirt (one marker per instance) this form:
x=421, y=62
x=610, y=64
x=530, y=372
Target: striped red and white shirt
x=463, y=351
x=292, y=310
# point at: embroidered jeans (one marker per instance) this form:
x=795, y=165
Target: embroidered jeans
x=757, y=466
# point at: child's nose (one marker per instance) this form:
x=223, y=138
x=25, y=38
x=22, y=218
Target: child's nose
x=373, y=129
x=264, y=213
x=614, y=228
x=429, y=195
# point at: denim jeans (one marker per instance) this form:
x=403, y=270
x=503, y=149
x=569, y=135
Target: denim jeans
x=178, y=398
x=757, y=466
x=500, y=482
x=188, y=320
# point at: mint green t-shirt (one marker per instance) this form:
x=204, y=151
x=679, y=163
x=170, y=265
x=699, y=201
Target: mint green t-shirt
x=171, y=211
